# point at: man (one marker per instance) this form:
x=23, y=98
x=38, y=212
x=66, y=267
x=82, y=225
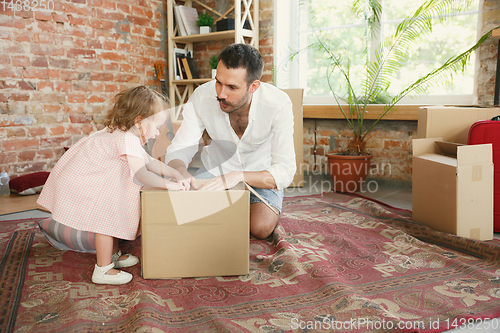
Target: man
x=250, y=122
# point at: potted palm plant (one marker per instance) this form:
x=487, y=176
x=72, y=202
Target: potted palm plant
x=373, y=84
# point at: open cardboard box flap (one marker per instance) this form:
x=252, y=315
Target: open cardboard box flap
x=199, y=183
x=240, y=186
x=464, y=154
x=448, y=148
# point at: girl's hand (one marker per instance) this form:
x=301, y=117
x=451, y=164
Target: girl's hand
x=186, y=180
x=177, y=186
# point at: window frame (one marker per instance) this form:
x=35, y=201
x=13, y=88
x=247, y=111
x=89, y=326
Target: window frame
x=291, y=25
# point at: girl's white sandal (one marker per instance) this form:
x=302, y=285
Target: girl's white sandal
x=129, y=262
x=100, y=277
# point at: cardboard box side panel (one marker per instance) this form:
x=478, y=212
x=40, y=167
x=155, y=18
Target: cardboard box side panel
x=450, y=123
x=148, y=204
x=422, y=123
x=296, y=96
x=475, y=201
x=153, y=205
x=475, y=154
x=143, y=228
x=434, y=195
x=215, y=245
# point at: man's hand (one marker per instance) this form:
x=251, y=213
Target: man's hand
x=185, y=179
x=224, y=182
x=189, y=181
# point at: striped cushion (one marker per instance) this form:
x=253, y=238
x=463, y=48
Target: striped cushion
x=66, y=238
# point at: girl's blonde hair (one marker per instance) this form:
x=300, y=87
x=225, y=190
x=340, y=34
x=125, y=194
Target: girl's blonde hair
x=131, y=103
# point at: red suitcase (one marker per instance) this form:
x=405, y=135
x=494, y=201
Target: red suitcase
x=488, y=131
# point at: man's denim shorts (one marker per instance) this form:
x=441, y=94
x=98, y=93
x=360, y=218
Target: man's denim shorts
x=273, y=197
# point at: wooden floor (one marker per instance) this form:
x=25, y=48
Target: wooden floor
x=18, y=203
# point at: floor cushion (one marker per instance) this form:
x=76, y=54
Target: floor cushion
x=29, y=184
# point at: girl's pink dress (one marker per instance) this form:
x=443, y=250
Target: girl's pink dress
x=92, y=188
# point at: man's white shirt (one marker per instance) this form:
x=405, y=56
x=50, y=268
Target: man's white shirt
x=267, y=143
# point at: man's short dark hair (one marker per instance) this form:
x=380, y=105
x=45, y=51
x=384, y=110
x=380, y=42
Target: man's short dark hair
x=243, y=56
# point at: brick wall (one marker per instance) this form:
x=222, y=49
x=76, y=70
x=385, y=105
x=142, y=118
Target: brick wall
x=266, y=35
x=60, y=68
x=391, y=146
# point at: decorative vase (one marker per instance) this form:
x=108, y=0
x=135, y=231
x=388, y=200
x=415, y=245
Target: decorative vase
x=204, y=29
x=348, y=173
x=214, y=72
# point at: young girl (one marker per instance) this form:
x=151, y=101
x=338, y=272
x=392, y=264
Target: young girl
x=93, y=190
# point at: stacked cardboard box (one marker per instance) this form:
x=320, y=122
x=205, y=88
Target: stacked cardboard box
x=452, y=187
x=451, y=123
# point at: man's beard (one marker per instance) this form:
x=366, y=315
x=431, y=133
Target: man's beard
x=233, y=107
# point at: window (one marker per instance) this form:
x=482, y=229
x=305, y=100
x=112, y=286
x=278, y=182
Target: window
x=299, y=27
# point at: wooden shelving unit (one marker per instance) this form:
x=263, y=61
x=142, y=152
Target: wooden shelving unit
x=243, y=10
x=229, y=34
x=195, y=81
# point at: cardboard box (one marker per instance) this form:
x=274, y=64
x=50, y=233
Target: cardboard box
x=452, y=124
x=195, y=233
x=452, y=187
x=296, y=96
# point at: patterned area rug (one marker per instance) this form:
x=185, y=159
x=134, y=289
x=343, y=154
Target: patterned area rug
x=337, y=263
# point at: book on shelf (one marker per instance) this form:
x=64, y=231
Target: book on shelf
x=180, y=23
x=160, y=73
x=189, y=16
x=192, y=66
x=177, y=69
x=182, y=69
x=186, y=68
